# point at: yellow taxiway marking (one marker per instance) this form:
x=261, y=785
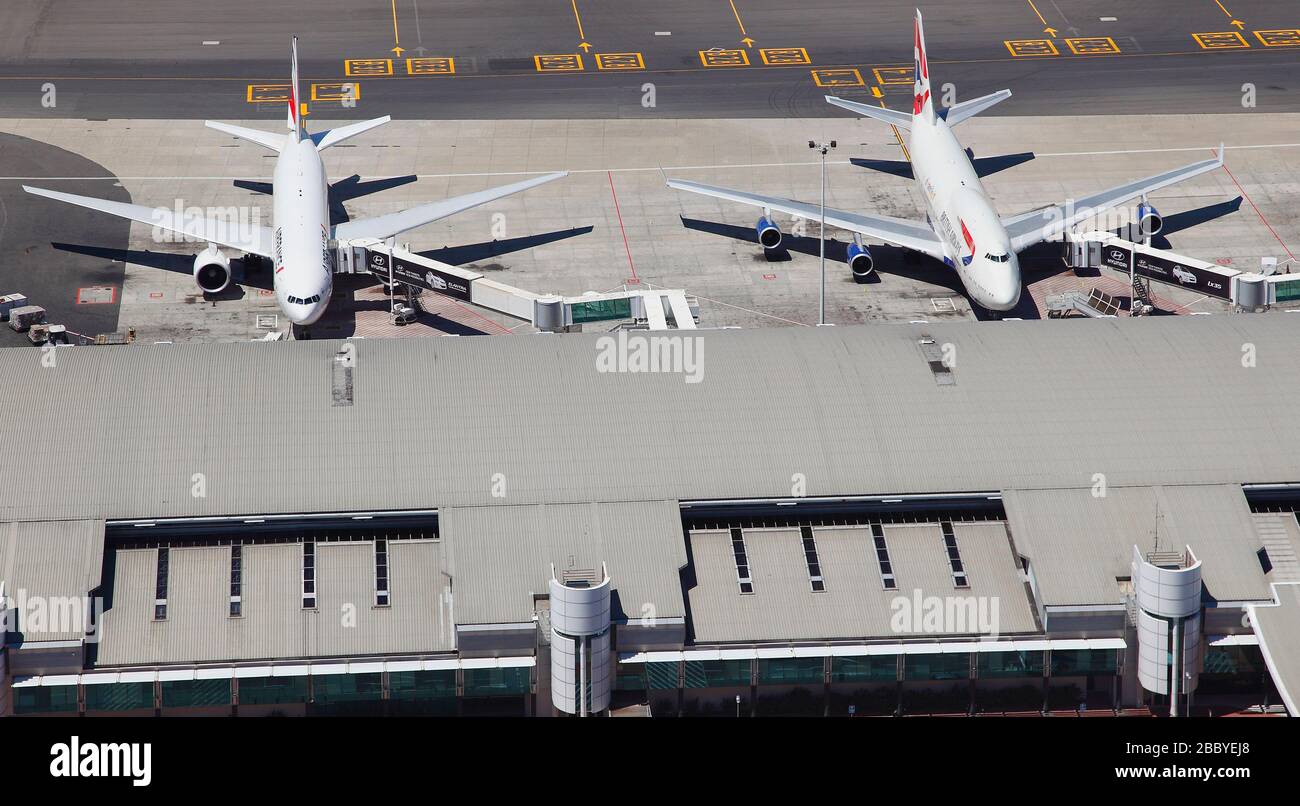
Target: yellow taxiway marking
x=839, y=77
x=1228, y=14
x=336, y=91
x=887, y=76
x=1092, y=45
x=582, y=36
x=722, y=57
x=1279, y=38
x=431, y=66
x=558, y=62
x=1047, y=29
x=898, y=137
x=785, y=56
x=619, y=61
x=1031, y=47
x=397, y=40
x=745, y=38
x=1220, y=40
x=268, y=93
x=368, y=67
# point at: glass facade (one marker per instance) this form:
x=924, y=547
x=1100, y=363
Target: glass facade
x=602, y=310
x=1067, y=662
x=950, y=666
x=195, y=693
x=347, y=694
x=791, y=670
x=864, y=668
x=717, y=673
x=419, y=685
x=496, y=682
x=119, y=696
x=662, y=675
x=45, y=700
x=272, y=690
x=1010, y=664
x=1287, y=290
x=630, y=677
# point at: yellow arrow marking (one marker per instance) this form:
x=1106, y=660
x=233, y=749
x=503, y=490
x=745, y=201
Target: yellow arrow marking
x=876, y=93
x=582, y=36
x=745, y=38
x=1047, y=29
x=397, y=40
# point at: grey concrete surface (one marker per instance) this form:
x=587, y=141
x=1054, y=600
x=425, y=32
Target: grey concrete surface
x=124, y=58
x=661, y=237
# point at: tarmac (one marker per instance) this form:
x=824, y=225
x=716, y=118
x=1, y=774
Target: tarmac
x=612, y=223
x=567, y=59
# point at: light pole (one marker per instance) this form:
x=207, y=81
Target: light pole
x=822, y=148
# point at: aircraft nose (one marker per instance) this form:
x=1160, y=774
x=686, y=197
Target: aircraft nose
x=305, y=314
x=1004, y=292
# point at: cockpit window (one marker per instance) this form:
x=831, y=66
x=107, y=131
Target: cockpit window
x=1003, y=258
x=308, y=301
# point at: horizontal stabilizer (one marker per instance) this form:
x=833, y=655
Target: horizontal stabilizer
x=324, y=140
x=899, y=119
x=969, y=109
x=275, y=142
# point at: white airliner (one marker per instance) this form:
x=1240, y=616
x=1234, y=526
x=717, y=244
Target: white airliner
x=962, y=229
x=300, y=241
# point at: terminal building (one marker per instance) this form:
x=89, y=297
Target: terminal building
x=1090, y=516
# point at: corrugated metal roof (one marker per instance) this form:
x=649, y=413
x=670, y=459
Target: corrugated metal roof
x=1278, y=628
x=854, y=409
x=499, y=556
x=1079, y=543
x=274, y=625
x=52, y=560
x=855, y=604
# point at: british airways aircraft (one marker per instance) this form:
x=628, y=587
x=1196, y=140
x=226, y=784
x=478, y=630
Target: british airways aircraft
x=300, y=240
x=962, y=228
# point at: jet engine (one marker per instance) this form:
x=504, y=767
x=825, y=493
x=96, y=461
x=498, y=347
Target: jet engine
x=1149, y=221
x=860, y=262
x=212, y=270
x=768, y=234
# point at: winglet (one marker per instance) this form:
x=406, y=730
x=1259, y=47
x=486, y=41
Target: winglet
x=1221, y=150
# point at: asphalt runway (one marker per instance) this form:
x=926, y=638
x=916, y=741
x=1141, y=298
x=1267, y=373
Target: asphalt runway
x=501, y=59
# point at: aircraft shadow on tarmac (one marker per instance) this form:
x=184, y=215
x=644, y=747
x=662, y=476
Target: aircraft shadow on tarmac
x=179, y=264
x=469, y=253
x=984, y=166
x=340, y=321
x=341, y=191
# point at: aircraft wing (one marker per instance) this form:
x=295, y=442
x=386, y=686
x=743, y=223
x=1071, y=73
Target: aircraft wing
x=908, y=234
x=385, y=225
x=1035, y=226
x=247, y=238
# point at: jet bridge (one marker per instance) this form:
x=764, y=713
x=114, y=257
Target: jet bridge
x=651, y=309
x=1247, y=290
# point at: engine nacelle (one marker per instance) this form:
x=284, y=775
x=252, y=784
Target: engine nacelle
x=768, y=233
x=212, y=270
x=860, y=261
x=1149, y=221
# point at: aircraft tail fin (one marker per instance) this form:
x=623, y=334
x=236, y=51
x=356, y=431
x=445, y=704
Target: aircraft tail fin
x=922, y=102
x=295, y=100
